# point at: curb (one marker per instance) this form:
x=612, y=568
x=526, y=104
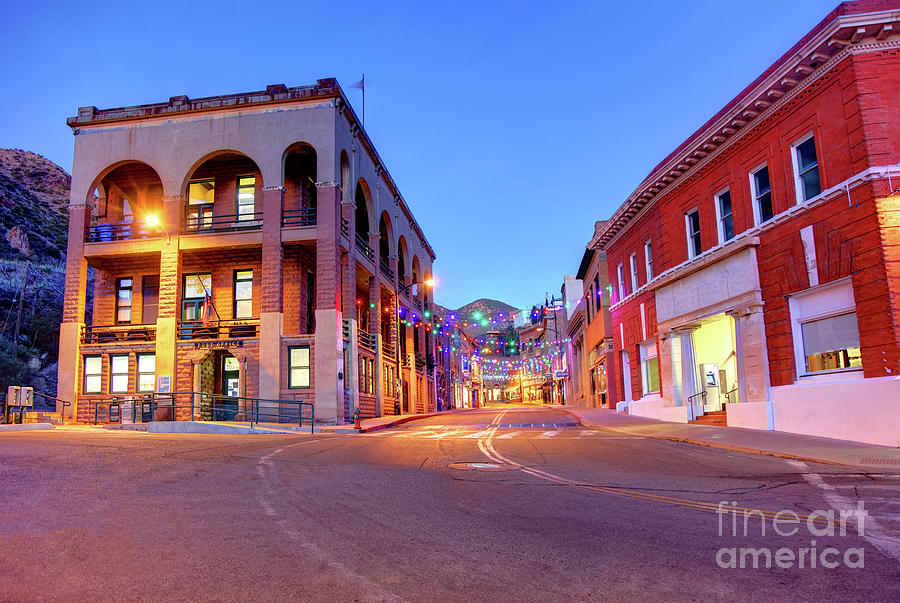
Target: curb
x=781, y=455
x=26, y=426
x=407, y=418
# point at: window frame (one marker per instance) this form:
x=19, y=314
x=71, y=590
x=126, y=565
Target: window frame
x=648, y=259
x=693, y=249
x=85, y=375
x=799, y=318
x=142, y=373
x=755, y=195
x=720, y=218
x=632, y=261
x=307, y=368
x=130, y=306
x=643, y=354
x=799, y=188
x=620, y=274
x=243, y=217
x=113, y=374
x=234, y=298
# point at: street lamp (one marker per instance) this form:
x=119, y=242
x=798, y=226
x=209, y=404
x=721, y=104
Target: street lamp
x=404, y=289
x=153, y=220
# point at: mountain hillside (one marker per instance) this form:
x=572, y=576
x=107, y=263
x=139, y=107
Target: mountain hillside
x=487, y=308
x=34, y=193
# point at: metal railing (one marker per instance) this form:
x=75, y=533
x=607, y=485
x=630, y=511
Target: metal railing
x=200, y=406
x=729, y=394
x=117, y=333
x=691, y=399
x=368, y=340
x=420, y=361
x=219, y=329
x=417, y=303
x=121, y=231
x=299, y=217
x=345, y=227
x=388, y=349
x=363, y=246
x=386, y=268
x=200, y=223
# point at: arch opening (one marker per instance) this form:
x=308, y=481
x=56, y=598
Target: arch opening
x=223, y=193
x=299, y=202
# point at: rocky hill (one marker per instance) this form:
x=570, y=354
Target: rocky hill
x=34, y=193
x=487, y=308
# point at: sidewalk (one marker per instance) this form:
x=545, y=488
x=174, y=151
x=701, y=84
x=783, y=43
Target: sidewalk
x=773, y=443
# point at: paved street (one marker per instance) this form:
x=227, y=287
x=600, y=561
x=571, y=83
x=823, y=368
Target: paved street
x=499, y=504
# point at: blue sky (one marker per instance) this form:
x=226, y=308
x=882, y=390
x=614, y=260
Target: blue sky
x=510, y=127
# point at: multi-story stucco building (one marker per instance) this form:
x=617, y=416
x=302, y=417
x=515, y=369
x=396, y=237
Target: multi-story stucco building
x=249, y=245
x=756, y=270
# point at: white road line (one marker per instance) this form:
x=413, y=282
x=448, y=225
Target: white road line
x=548, y=434
x=872, y=531
x=509, y=435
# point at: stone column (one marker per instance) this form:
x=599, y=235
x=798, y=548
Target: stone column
x=271, y=315
x=752, y=358
x=329, y=393
x=410, y=372
x=73, y=311
x=196, y=388
x=689, y=386
x=169, y=288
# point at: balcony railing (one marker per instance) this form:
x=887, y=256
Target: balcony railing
x=388, y=349
x=368, y=340
x=420, y=361
x=206, y=223
x=363, y=246
x=299, y=217
x=122, y=231
x=386, y=268
x=218, y=329
x=345, y=227
x=117, y=333
x=417, y=303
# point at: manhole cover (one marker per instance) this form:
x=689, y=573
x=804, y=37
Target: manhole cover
x=480, y=466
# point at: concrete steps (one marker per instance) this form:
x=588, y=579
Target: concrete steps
x=716, y=417
x=54, y=418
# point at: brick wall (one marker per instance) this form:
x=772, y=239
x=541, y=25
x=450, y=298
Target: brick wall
x=105, y=276
x=221, y=264
x=298, y=263
x=849, y=111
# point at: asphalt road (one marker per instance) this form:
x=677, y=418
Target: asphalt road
x=502, y=504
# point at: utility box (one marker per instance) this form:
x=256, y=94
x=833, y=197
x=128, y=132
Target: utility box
x=19, y=396
x=26, y=396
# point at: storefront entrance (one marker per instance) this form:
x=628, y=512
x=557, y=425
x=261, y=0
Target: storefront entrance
x=715, y=362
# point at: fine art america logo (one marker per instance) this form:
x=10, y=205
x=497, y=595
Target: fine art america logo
x=737, y=522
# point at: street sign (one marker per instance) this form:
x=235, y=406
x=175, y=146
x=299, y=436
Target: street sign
x=560, y=374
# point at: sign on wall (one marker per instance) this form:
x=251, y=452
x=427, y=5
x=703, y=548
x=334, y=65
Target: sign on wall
x=164, y=384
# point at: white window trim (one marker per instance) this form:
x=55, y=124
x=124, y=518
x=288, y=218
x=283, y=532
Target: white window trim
x=687, y=232
x=719, y=226
x=797, y=321
x=795, y=163
x=632, y=260
x=757, y=215
x=620, y=272
x=650, y=344
x=648, y=260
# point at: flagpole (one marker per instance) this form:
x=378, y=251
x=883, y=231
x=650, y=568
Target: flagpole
x=364, y=99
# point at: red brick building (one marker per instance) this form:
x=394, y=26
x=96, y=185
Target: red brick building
x=756, y=270
x=250, y=246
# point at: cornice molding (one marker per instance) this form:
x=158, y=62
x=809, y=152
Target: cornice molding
x=756, y=106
